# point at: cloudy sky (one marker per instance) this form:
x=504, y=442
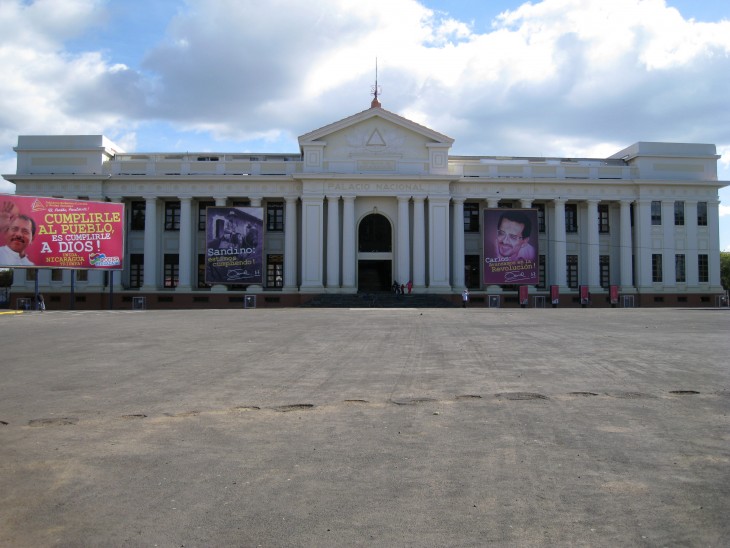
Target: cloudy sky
x=553, y=77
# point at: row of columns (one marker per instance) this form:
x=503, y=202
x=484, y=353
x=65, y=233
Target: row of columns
x=442, y=252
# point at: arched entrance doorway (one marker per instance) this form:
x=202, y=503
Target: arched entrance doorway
x=375, y=253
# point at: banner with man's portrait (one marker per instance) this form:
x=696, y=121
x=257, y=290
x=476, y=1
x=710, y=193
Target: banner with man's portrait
x=40, y=232
x=234, y=249
x=510, y=247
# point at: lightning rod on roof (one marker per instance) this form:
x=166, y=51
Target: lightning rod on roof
x=375, y=90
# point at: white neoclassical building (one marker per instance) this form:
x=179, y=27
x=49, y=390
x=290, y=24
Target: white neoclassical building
x=374, y=198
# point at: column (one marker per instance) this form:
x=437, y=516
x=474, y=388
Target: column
x=312, y=244
x=593, y=279
x=150, y=244
x=526, y=204
x=220, y=201
x=119, y=275
x=492, y=203
x=691, y=251
x=626, y=250
x=290, y=244
x=255, y=202
x=458, y=244
x=333, y=242
x=642, y=225
x=349, y=245
x=669, y=275
x=557, y=263
x=713, y=231
x=438, y=239
x=185, y=246
x=404, y=241
x=419, y=243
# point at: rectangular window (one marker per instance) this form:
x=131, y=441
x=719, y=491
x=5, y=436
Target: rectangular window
x=701, y=213
x=603, y=226
x=656, y=213
x=679, y=213
x=275, y=217
x=540, y=218
x=703, y=268
x=137, y=212
x=572, y=270
x=471, y=217
x=172, y=215
x=171, y=269
x=82, y=275
x=604, y=266
x=542, y=272
x=680, y=271
x=136, y=270
x=571, y=217
x=202, y=216
x=56, y=275
x=656, y=267
x=471, y=271
x=275, y=271
x=201, y=272
x=31, y=274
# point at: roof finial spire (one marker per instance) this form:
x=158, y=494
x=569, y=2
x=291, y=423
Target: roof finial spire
x=375, y=90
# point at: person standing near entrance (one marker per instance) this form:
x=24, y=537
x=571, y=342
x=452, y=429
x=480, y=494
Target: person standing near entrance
x=464, y=298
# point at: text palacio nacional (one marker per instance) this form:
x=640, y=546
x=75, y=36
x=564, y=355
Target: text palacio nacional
x=374, y=198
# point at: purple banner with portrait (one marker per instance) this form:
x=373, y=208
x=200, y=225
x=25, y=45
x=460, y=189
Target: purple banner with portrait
x=234, y=249
x=510, y=247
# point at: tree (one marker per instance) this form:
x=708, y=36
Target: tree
x=725, y=269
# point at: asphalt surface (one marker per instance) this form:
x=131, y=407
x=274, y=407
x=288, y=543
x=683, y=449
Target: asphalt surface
x=370, y=427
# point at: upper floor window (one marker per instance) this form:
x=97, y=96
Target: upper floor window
x=275, y=217
x=137, y=212
x=172, y=215
x=471, y=217
x=656, y=267
x=571, y=263
x=540, y=218
x=603, y=226
x=571, y=217
x=701, y=213
x=679, y=213
x=202, y=215
x=656, y=212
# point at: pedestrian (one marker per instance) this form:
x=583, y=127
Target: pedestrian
x=409, y=285
x=402, y=289
x=464, y=298
x=41, y=303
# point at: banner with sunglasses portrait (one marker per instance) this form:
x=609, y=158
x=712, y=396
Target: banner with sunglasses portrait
x=510, y=247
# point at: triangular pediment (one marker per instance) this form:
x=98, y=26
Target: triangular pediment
x=376, y=137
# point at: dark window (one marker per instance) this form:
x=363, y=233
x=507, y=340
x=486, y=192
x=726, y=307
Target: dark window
x=275, y=217
x=136, y=270
x=275, y=271
x=56, y=275
x=604, y=267
x=241, y=203
x=603, y=226
x=137, y=210
x=571, y=217
x=542, y=272
x=656, y=267
x=201, y=272
x=680, y=271
x=31, y=274
x=471, y=217
x=656, y=213
x=82, y=275
x=703, y=268
x=171, y=269
x=679, y=213
x=540, y=218
x=172, y=215
x=374, y=234
x=471, y=271
x=572, y=270
x=701, y=213
x=202, y=215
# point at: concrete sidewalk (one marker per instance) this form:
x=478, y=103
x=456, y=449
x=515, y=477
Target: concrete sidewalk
x=377, y=427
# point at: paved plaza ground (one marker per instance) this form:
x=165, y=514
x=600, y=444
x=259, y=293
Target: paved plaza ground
x=368, y=427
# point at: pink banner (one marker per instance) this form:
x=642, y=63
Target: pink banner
x=510, y=247
x=37, y=232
